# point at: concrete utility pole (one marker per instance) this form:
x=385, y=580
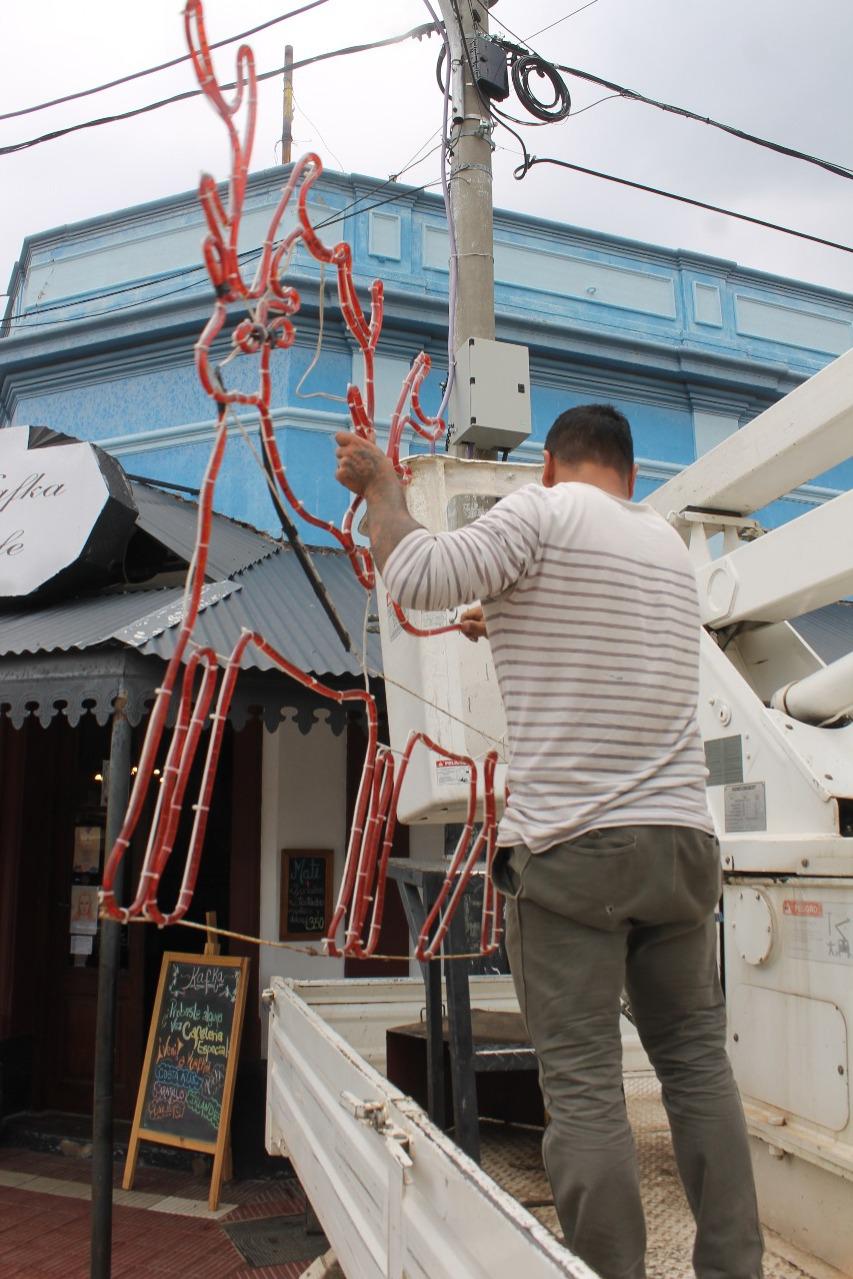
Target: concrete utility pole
x=287, y=111
x=471, y=181
x=470, y=184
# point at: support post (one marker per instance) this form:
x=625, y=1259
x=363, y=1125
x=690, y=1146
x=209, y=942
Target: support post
x=108, y=970
x=471, y=189
x=287, y=107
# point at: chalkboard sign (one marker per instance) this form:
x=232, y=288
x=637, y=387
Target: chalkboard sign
x=306, y=893
x=187, y=1079
x=471, y=909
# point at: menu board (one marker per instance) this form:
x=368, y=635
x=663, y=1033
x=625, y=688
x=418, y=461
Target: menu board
x=306, y=892
x=472, y=916
x=471, y=913
x=187, y=1079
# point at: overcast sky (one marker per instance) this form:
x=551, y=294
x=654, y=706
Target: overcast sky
x=776, y=68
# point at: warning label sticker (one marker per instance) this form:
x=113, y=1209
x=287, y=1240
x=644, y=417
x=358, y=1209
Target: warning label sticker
x=792, y=907
x=818, y=930
x=745, y=807
x=449, y=773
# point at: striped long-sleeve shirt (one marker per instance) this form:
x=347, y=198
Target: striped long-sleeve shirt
x=591, y=610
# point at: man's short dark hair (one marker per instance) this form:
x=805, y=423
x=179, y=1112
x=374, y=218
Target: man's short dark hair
x=593, y=433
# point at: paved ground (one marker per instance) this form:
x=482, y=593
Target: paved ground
x=162, y=1228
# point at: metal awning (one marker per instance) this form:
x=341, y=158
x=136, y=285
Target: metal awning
x=67, y=658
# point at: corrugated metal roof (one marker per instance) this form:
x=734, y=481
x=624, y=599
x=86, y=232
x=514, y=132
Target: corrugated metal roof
x=171, y=520
x=828, y=630
x=130, y=618
x=277, y=600
x=271, y=596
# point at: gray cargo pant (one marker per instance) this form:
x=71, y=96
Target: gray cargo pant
x=631, y=908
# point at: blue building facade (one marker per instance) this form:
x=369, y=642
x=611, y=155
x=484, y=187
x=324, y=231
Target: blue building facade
x=98, y=335
x=97, y=342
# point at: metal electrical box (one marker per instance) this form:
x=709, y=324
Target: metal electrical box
x=490, y=401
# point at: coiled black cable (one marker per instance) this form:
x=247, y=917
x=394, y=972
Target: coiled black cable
x=521, y=68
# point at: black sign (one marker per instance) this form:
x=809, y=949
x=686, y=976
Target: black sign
x=191, y=1044
x=306, y=892
x=471, y=909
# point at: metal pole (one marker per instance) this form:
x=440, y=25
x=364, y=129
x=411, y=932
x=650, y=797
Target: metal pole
x=108, y=969
x=470, y=185
x=287, y=126
x=471, y=197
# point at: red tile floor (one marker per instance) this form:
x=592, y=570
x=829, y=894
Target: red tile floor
x=44, y=1222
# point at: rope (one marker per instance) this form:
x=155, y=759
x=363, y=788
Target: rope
x=313, y=951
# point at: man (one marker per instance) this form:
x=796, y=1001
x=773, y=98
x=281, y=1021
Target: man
x=607, y=853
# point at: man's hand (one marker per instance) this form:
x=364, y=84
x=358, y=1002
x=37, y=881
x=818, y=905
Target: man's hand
x=362, y=466
x=472, y=624
x=367, y=471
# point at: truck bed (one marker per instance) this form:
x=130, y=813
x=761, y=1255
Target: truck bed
x=398, y=1200
x=511, y=1156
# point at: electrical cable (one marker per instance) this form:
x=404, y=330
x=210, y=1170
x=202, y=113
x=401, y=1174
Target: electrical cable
x=416, y=33
x=318, y=395
x=303, y=112
x=521, y=69
x=528, y=163
x=565, y=18
x=623, y=91
x=162, y=66
x=247, y=256
x=830, y=166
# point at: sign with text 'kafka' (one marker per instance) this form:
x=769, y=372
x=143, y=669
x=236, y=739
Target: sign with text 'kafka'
x=66, y=513
x=188, y=1075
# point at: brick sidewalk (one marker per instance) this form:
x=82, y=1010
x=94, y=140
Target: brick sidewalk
x=162, y=1228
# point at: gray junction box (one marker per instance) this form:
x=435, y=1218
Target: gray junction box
x=490, y=401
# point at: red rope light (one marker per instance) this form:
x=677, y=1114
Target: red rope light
x=271, y=304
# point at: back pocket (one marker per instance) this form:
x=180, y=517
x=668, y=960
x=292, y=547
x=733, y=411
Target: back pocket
x=604, y=842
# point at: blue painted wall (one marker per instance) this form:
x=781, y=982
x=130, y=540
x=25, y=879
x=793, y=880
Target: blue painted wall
x=102, y=318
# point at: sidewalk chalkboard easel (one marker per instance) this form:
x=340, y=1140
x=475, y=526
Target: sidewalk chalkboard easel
x=187, y=1083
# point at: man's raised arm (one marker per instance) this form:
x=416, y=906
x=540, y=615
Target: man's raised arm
x=437, y=570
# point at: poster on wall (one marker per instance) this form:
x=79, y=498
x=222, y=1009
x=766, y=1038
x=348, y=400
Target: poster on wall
x=84, y=909
x=87, y=850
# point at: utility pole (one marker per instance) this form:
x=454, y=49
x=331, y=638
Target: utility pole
x=471, y=187
x=470, y=184
x=287, y=112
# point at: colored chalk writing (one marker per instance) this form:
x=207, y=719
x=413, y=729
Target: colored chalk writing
x=193, y=1038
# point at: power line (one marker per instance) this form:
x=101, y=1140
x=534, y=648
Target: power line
x=246, y=257
x=529, y=161
x=162, y=66
x=565, y=18
x=425, y=29
x=830, y=166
